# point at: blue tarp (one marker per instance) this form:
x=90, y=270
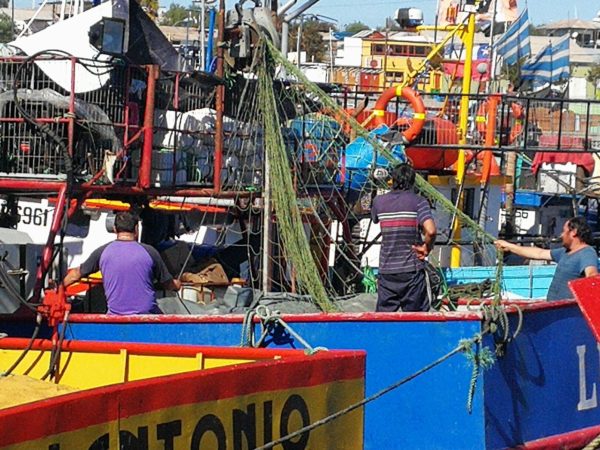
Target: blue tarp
x=360, y=155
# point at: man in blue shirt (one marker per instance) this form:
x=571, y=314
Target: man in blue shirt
x=575, y=259
x=403, y=215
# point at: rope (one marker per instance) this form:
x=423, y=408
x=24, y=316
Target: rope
x=481, y=358
x=462, y=346
x=594, y=444
x=289, y=218
x=248, y=329
x=269, y=320
x=369, y=280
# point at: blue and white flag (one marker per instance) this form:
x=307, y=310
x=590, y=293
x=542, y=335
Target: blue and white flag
x=514, y=44
x=550, y=65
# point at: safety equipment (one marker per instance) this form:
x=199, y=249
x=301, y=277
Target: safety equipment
x=415, y=100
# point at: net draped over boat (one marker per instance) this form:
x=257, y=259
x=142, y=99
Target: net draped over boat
x=321, y=207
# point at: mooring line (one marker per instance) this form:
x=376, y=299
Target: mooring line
x=462, y=346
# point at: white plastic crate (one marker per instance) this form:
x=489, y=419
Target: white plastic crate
x=162, y=168
x=550, y=173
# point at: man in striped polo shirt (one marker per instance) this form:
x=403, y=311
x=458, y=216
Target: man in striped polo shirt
x=407, y=236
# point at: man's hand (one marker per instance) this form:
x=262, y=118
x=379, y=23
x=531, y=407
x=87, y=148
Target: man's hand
x=421, y=251
x=503, y=245
x=172, y=285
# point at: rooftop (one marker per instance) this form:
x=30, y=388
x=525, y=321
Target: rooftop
x=571, y=24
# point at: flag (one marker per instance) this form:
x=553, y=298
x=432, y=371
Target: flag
x=550, y=65
x=448, y=12
x=506, y=11
x=514, y=44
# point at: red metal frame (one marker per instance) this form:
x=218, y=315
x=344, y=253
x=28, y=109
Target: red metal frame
x=57, y=219
x=586, y=293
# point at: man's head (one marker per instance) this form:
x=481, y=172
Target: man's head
x=576, y=229
x=403, y=177
x=125, y=222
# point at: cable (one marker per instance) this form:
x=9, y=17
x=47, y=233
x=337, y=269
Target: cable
x=38, y=324
x=462, y=346
x=56, y=349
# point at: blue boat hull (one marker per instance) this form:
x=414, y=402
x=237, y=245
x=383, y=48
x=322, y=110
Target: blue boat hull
x=543, y=386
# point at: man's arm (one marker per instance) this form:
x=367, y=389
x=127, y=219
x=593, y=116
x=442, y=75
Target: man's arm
x=374, y=216
x=72, y=276
x=591, y=271
x=429, y=235
x=526, y=252
x=90, y=265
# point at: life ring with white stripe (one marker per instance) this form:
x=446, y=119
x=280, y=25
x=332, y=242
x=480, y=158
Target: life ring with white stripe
x=415, y=100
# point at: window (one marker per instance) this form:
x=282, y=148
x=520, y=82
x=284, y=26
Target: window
x=377, y=49
x=421, y=51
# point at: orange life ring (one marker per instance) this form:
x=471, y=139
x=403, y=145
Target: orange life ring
x=516, y=111
x=416, y=102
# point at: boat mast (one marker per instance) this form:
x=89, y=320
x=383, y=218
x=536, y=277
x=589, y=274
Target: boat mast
x=492, y=73
x=467, y=37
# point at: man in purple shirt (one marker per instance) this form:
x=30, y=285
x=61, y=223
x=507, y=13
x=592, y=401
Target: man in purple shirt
x=129, y=270
x=403, y=216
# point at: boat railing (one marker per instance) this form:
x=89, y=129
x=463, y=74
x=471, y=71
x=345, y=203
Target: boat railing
x=523, y=123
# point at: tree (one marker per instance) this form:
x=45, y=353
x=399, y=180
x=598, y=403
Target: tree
x=355, y=27
x=150, y=7
x=175, y=15
x=311, y=39
x=6, y=29
x=593, y=77
x=534, y=30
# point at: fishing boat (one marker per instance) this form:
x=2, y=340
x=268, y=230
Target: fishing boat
x=104, y=395
x=208, y=162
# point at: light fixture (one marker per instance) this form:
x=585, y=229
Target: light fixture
x=108, y=36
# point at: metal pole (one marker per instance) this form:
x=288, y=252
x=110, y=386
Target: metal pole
x=386, y=48
x=492, y=76
x=330, y=55
x=285, y=35
x=202, y=36
x=220, y=100
x=187, y=30
x=298, y=41
x=145, y=173
x=468, y=37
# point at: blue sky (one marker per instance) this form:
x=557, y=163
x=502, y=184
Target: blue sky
x=374, y=12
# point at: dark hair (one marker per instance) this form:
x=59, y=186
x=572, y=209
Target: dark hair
x=582, y=229
x=403, y=177
x=125, y=222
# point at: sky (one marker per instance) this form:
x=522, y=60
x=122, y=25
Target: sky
x=374, y=12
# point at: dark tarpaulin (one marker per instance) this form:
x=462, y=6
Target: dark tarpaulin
x=148, y=45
